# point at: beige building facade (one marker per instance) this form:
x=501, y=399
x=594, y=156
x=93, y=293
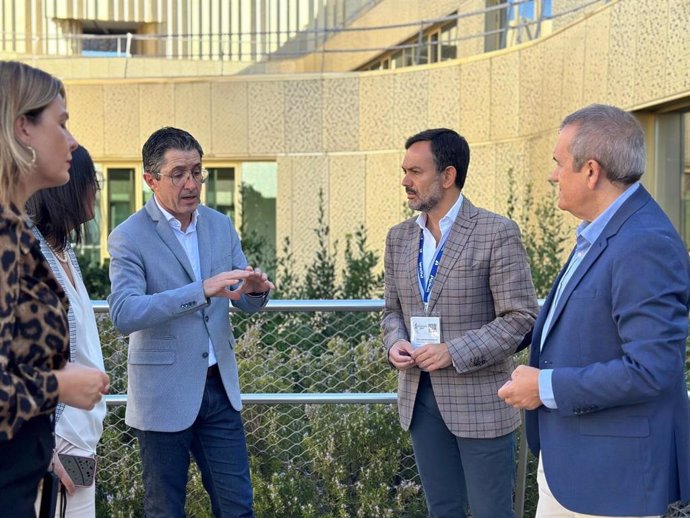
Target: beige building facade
x=314, y=123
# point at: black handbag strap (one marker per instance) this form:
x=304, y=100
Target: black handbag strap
x=49, y=494
x=63, y=501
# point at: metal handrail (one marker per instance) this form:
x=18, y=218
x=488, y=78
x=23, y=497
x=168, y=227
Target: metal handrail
x=304, y=306
x=314, y=398
x=297, y=305
x=311, y=39
x=318, y=32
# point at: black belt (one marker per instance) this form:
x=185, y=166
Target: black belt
x=213, y=371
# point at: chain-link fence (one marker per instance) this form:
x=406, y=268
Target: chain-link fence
x=307, y=458
x=322, y=430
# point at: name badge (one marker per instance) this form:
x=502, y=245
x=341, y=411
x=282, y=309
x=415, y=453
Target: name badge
x=425, y=330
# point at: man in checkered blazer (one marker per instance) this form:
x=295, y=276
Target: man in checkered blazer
x=465, y=270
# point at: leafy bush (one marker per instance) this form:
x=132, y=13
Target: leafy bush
x=96, y=277
x=326, y=460
x=542, y=233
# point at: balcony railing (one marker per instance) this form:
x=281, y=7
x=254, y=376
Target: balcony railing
x=490, y=28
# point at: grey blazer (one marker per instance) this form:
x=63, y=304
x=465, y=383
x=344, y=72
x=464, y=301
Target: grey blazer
x=156, y=300
x=484, y=295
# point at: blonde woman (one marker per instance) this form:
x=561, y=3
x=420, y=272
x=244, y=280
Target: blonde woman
x=35, y=153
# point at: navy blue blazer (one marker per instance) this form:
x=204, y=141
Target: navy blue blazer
x=619, y=442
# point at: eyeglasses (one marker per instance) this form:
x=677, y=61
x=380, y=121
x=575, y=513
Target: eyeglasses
x=179, y=178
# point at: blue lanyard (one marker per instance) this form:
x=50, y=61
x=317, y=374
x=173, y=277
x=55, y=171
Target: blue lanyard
x=426, y=287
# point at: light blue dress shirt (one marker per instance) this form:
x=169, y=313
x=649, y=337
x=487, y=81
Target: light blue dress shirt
x=587, y=233
x=190, y=242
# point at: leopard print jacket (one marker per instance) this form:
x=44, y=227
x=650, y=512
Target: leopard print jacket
x=34, y=336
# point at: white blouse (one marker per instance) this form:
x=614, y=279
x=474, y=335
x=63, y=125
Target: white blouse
x=81, y=428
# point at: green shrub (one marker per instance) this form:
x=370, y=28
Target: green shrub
x=96, y=277
x=542, y=233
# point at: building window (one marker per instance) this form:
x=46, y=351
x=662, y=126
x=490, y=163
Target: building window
x=259, y=189
x=244, y=192
x=146, y=193
x=247, y=194
x=120, y=195
x=436, y=43
x=514, y=21
x=669, y=177
x=529, y=10
x=107, y=39
x=448, y=46
x=220, y=190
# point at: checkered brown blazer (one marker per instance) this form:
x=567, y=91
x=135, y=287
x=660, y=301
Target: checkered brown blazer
x=484, y=295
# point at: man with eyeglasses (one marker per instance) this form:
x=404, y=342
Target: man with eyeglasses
x=174, y=266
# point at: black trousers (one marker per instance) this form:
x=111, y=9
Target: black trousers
x=23, y=461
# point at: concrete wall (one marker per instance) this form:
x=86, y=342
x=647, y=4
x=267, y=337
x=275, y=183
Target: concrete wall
x=344, y=132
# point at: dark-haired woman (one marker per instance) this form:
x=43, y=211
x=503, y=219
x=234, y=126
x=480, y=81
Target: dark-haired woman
x=59, y=215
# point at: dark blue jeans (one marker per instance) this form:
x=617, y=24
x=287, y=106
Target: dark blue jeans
x=217, y=442
x=458, y=472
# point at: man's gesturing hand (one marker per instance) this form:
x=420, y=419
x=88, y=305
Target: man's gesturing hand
x=256, y=282
x=219, y=285
x=250, y=280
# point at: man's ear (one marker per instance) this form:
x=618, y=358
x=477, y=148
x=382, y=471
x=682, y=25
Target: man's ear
x=150, y=180
x=22, y=130
x=595, y=173
x=449, y=174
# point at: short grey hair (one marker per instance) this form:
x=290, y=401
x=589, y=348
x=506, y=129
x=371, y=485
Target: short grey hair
x=612, y=137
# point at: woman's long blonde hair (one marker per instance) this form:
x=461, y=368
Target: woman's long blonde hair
x=27, y=91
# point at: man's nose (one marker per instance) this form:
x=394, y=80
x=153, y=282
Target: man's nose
x=189, y=179
x=553, y=177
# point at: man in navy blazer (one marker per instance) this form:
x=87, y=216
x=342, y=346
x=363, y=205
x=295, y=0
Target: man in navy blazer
x=607, y=403
x=174, y=266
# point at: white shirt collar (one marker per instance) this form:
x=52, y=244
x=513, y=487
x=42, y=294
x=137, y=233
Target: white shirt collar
x=447, y=220
x=174, y=222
